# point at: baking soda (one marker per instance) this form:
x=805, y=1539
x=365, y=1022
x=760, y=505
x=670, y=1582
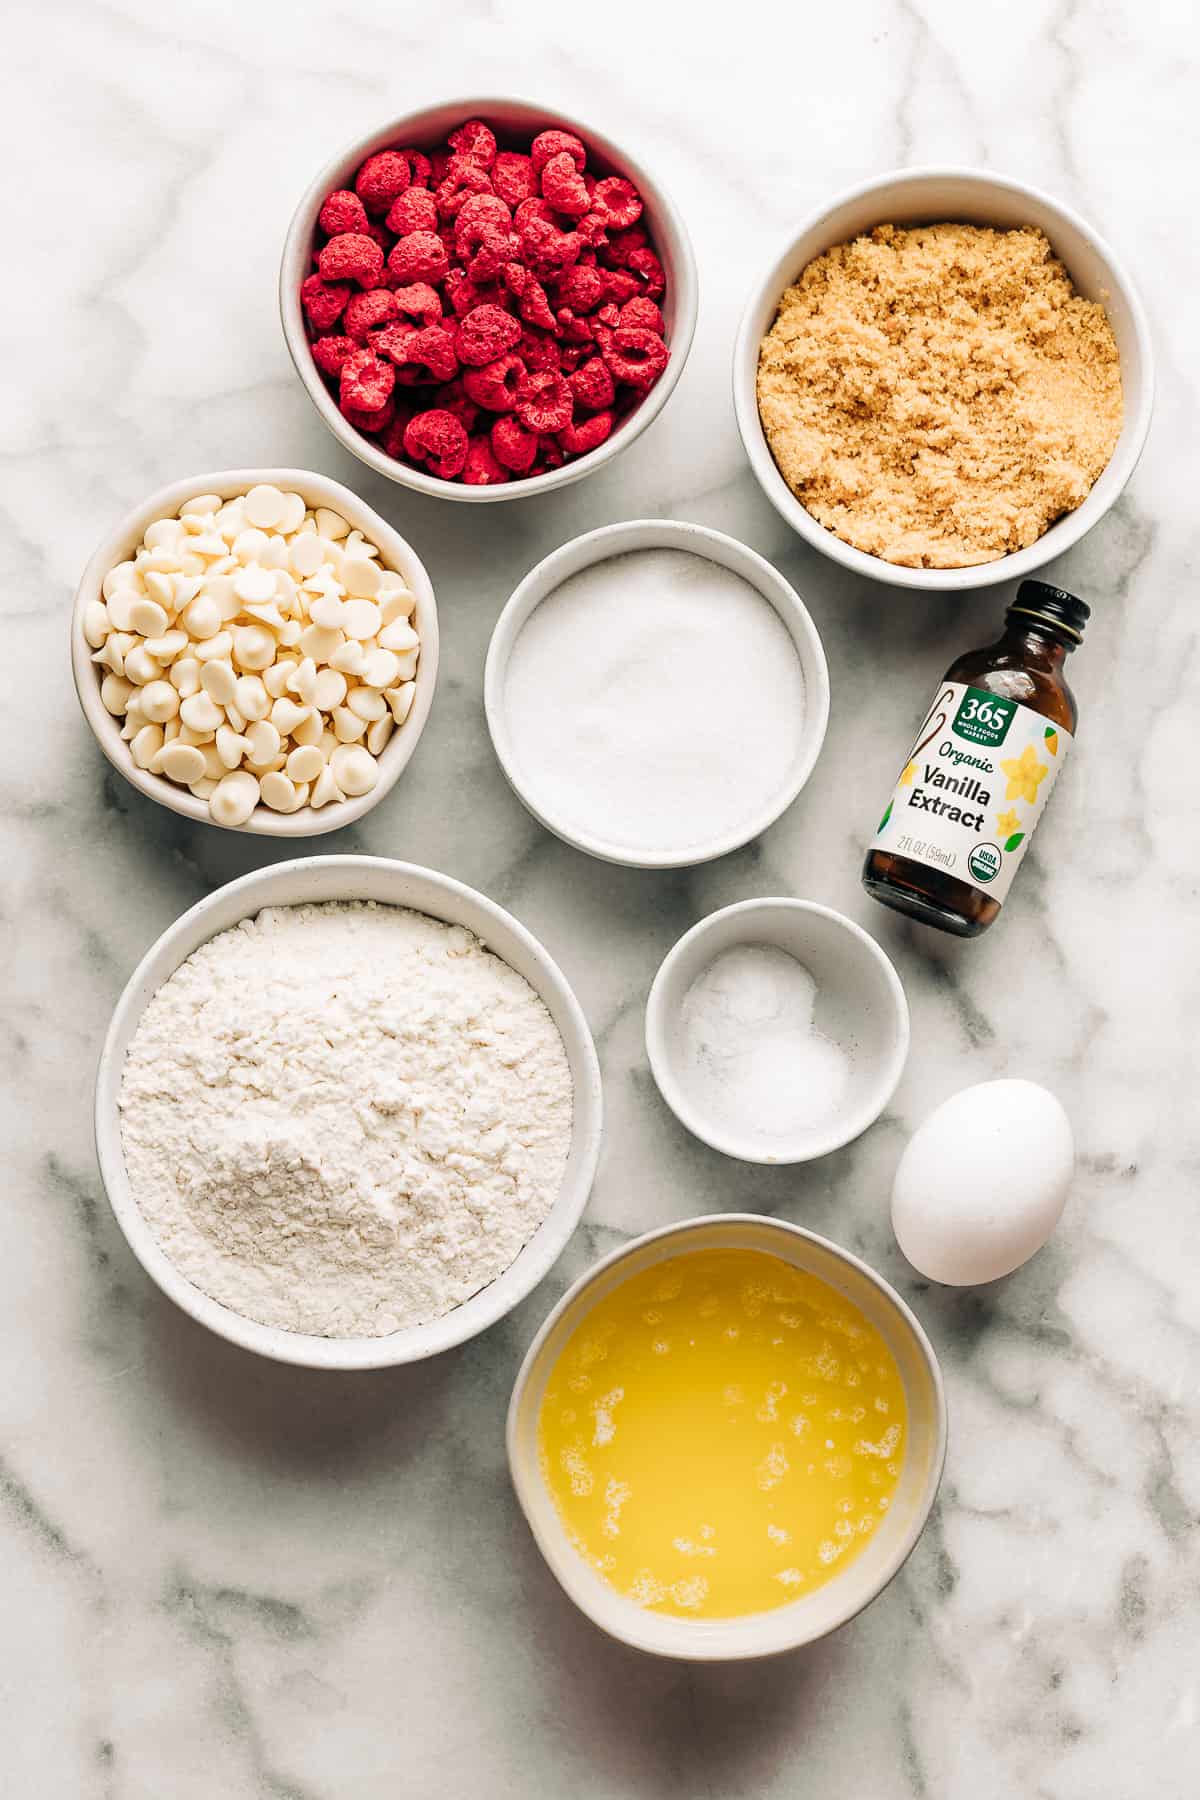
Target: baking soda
x=752, y=1057
x=655, y=703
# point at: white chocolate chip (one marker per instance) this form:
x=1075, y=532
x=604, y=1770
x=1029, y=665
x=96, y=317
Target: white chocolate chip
x=251, y=697
x=361, y=619
x=204, y=504
x=327, y=611
x=380, y=668
x=146, y=745
x=230, y=746
x=141, y=667
x=124, y=575
x=378, y=733
x=275, y=679
x=204, y=789
x=115, y=692
x=286, y=715
x=304, y=555
x=96, y=623
x=263, y=741
x=200, y=712
x=201, y=618
x=254, y=585
x=185, y=676
x=331, y=524
x=361, y=578
x=329, y=689
x=349, y=659
x=305, y=763
x=347, y=726
x=308, y=731
x=292, y=517
x=354, y=769
x=279, y=793
x=166, y=648
x=215, y=649
x=253, y=647
x=400, y=700
x=182, y=762
x=399, y=636
x=265, y=506
x=367, y=702
x=217, y=678
x=234, y=798
x=325, y=790
x=160, y=702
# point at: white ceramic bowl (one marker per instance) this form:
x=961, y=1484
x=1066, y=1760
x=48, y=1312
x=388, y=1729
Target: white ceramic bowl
x=618, y=540
x=916, y=196
x=822, y=1611
x=860, y=1005
x=396, y=553
x=321, y=878
x=525, y=118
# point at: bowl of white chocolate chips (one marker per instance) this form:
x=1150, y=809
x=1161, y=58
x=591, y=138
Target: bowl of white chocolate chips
x=257, y=650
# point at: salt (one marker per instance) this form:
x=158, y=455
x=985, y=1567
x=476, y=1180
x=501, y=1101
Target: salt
x=655, y=702
x=752, y=1057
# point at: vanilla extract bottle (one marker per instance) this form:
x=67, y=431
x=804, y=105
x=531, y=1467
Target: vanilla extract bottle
x=979, y=774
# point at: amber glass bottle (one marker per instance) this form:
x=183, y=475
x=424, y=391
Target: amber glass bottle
x=980, y=771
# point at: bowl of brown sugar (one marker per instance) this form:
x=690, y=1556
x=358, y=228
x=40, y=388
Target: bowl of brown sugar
x=945, y=379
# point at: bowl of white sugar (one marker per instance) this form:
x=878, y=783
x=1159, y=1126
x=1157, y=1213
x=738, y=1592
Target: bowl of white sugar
x=657, y=693
x=348, y=1112
x=777, y=1030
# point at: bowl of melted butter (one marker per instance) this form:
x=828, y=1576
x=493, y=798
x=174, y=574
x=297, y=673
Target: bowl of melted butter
x=727, y=1438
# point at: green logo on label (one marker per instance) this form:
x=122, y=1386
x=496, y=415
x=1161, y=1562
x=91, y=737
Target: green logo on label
x=984, y=862
x=983, y=718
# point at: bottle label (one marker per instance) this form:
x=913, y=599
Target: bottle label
x=973, y=787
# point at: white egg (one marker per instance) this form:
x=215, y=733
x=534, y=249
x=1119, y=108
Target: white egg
x=982, y=1182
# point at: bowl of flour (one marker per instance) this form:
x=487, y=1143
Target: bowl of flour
x=348, y=1112
x=657, y=693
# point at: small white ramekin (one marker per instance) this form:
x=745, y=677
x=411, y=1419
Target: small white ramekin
x=860, y=1005
x=321, y=878
x=522, y=118
x=972, y=196
x=822, y=1611
x=395, y=552
x=657, y=534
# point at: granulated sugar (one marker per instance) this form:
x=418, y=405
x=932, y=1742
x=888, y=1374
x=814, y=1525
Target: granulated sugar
x=655, y=703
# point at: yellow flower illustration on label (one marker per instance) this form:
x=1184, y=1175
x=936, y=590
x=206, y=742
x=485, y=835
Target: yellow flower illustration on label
x=1025, y=774
x=1008, y=822
x=907, y=774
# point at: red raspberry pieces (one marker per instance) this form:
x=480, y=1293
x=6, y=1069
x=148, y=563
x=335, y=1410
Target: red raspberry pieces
x=486, y=333
x=367, y=381
x=415, y=210
x=495, y=385
x=505, y=288
x=352, y=256
x=545, y=402
x=381, y=179
x=438, y=439
x=342, y=211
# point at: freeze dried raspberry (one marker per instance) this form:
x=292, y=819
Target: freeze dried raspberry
x=548, y=144
x=580, y=287
x=463, y=294
x=391, y=440
x=418, y=256
x=648, y=271
x=323, y=302
x=588, y=434
x=464, y=179
x=643, y=312
x=514, y=177
x=495, y=385
x=495, y=249
x=438, y=439
x=381, y=179
x=544, y=402
x=622, y=244
x=367, y=381
x=532, y=303
x=374, y=419
x=486, y=333
x=512, y=445
x=481, y=468
x=368, y=312
x=593, y=229
x=537, y=351
x=329, y=353
x=342, y=211
x=415, y=210
x=563, y=186
x=609, y=314
x=352, y=256
x=546, y=251
x=620, y=285
x=425, y=354
x=533, y=208
x=618, y=201
x=592, y=385
x=634, y=355
x=575, y=331
x=550, y=456
x=476, y=141
x=420, y=168
x=453, y=397
x=419, y=301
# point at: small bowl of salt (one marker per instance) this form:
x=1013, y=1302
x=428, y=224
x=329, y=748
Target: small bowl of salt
x=777, y=1030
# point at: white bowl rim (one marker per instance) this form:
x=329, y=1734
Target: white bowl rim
x=774, y=1637
x=412, y=1343
x=607, y=541
x=297, y=246
x=1018, y=563
x=398, y=553
x=836, y=1136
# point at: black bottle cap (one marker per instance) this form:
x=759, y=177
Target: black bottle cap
x=1052, y=606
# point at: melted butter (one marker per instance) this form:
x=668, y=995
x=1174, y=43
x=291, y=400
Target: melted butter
x=722, y=1434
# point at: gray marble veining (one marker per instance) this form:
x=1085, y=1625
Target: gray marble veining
x=226, y=1578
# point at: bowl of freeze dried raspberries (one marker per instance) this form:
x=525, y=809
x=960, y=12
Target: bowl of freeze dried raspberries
x=486, y=299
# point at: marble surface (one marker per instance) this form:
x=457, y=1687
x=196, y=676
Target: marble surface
x=222, y=1577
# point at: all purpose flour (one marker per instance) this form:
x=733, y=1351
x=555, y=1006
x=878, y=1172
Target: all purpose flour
x=346, y=1118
